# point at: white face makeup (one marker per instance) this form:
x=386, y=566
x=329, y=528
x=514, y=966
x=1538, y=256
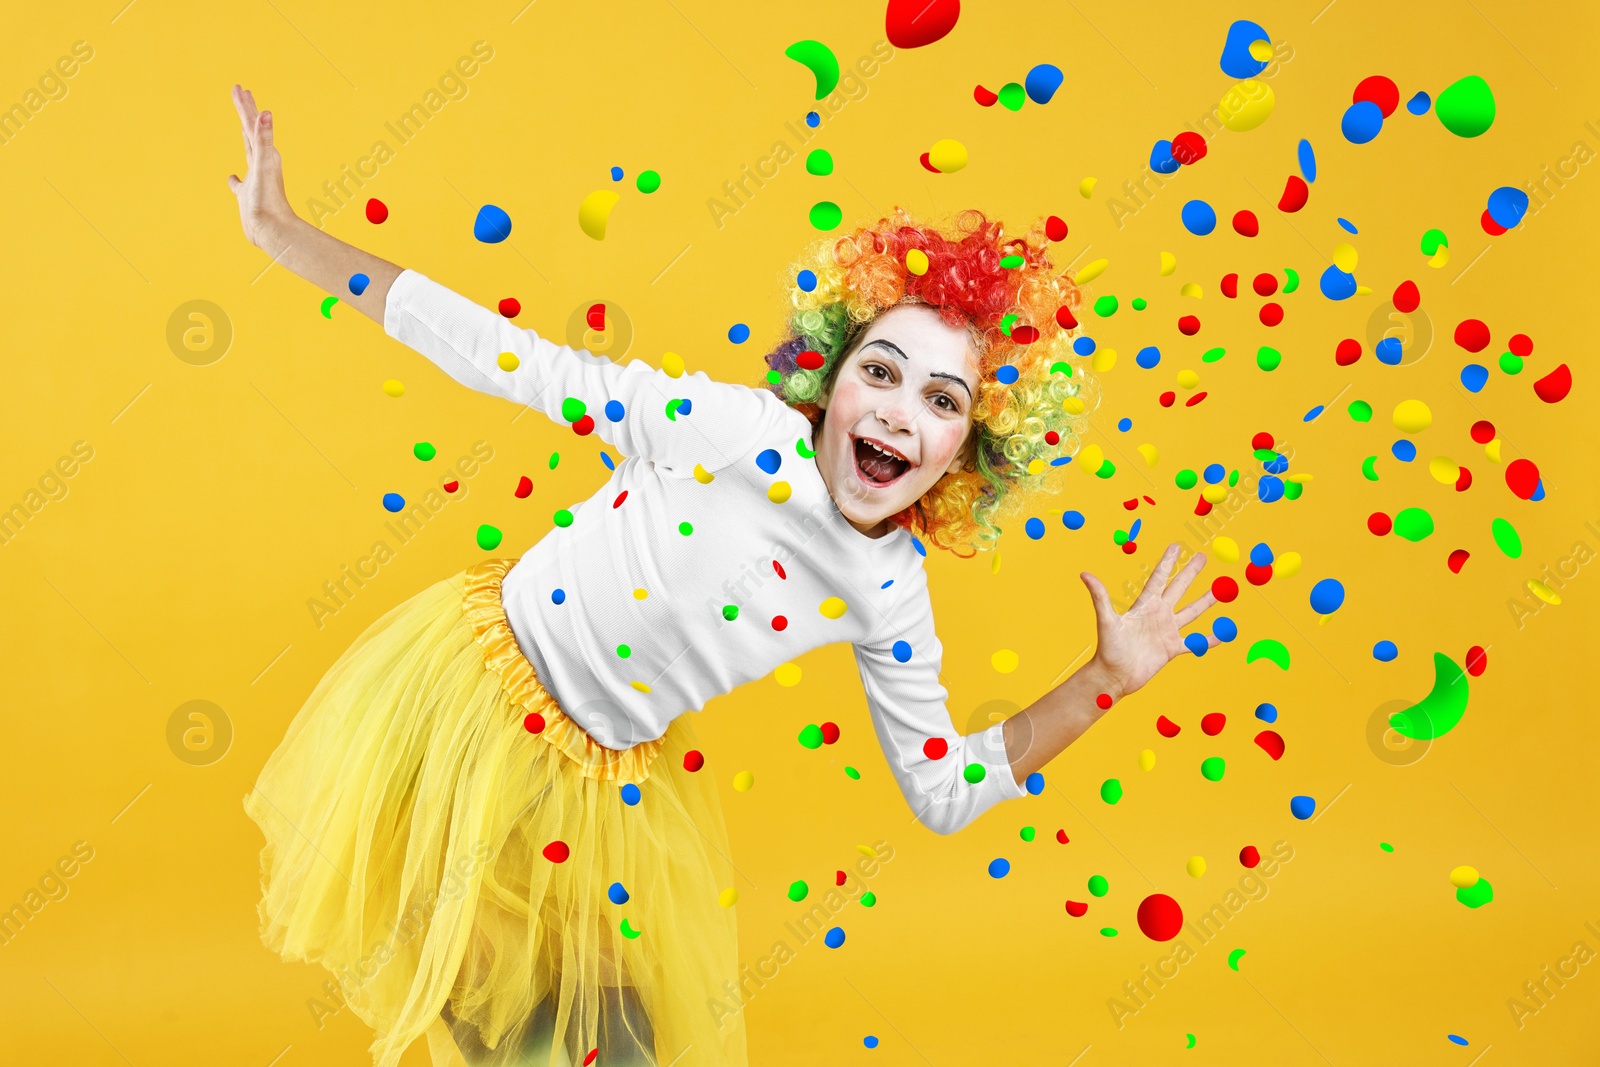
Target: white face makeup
x=897, y=416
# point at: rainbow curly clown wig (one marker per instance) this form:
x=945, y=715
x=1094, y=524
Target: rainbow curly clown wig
x=1031, y=404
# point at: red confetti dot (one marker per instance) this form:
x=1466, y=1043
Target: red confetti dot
x=1188, y=147
x=1055, y=228
x=1245, y=224
x=1051, y=437
x=830, y=732
x=1262, y=440
x=1258, y=575
x=915, y=23
x=1225, y=589
x=1295, y=193
x=935, y=748
x=1024, y=335
x=1076, y=908
x=1189, y=325
x=533, y=722
x=1457, y=560
x=584, y=426
x=1379, y=90
x=1103, y=701
x=510, y=307
x=1271, y=313
x=1230, y=286
x=1379, y=523
x=1061, y=836
x=838, y=877
x=617, y=503
x=1490, y=227
x=1065, y=319
x=1211, y=725
x=1554, y=387
x=1472, y=334
x=1250, y=856
x=557, y=852
x=596, y=316
x=451, y=486
x=590, y=1057
x=780, y=623
x=1483, y=431
x=1193, y=400
x=987, y=99
x=693, y=760
x=1477, y=660
x=1202, y=507
x=1129, y=505
x=1406, y=297
x=1265, y=284
x=1271, y=743
x=926, y=164
x=1148, y=500
x=1160, y=918
x=1129, y=547
x=809, y=360
x=778, y=569
x=1463, y=480
x=1522, y=478
x=1348, y=352
x=377, y=211
x=1167, y=398
x=1521, y=345
x=524, y=487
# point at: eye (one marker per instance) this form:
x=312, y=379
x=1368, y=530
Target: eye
x=876, y=370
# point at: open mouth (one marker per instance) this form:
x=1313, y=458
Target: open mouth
x=877, y=464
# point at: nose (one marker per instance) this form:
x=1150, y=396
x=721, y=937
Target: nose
x=898, y=411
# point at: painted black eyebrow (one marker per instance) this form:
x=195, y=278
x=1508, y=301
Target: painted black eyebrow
x=897, y=351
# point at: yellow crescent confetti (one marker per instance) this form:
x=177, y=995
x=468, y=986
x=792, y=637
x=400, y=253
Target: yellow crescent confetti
x=1091, y=272
x=1191, y=289
x=1169, y=263
x=1086, y=187
x=1150, y=454
x=595, y=212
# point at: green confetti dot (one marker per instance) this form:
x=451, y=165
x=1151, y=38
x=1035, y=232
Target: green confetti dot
x=1012, y=96
x=1233, y=478
x=1369, y=468
x=648, y=181
x=868, y=899
x=819, y=162
x=488, y=537
x=1292, y=280
x=1011, y=262
x=555, y=457
x=1213, y=768
x=563, y=517
x=624, y=651
x=1186, y=479
x=685, y=528
x=1110, y=790
x=811, y=736
x=1213, y=354
x=1268, y=358
x=1386, y=846
x=1511, y=363
x=1108, y=931
x=852, y=773
x=1506, y=538
x=730, y=611
x=974, y=773
x=572, y=409
x=1138, y=303
x=1466, y=108
x=798, y=890
x=1292, y=490
x=424, y=451
x=825, y=215
x=1098, y=885
x=774, y=377
x=1476, y=895
x=1107, y=469
x=1027, y=833
x=1360, y=410
x=1413, y=524
x=1106, y=306
x=1119, y=537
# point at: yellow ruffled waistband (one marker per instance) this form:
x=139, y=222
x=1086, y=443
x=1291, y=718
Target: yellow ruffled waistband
x=487, y=614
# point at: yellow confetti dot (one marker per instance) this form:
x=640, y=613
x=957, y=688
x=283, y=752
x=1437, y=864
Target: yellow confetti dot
x=1301, y=478
x=640, y=686
x=1192, y=289
x=1103, y=359
x=787, y=674
x=868, y=851
x=1440, y=258
x=1005, y=661
x=1214, y=494
x=1287, y=566
x=1247, y=105
x=1196, y=866
x=744, y=781
x=1445, y=470
x=917, y=261
x=994, y=564
x=833, y=608
x=1464, y=877
x=1036, y=466
x=1073, y=405
x=640, y=594
x=1147, y=760
x=1086, y=187
x=509, y=362
x=1345, y=257
x=947, y=156
x=1090, y=458
x=703, y=476
x=1363, y=290
x=1543, y=592
x=1226, y=548
x=1150, y=453
x=1188, y=379
x=728, y=897
x=778, y=492
x=1412, y=416
x=394, y=387
x=1492, y=450
x=1260, y=51
x=672, y=364
x=1091, y=272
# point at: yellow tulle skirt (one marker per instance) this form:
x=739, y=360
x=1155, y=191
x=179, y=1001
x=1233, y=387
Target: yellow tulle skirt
x=457, y=871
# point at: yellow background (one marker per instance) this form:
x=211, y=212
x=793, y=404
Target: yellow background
x=219, y=498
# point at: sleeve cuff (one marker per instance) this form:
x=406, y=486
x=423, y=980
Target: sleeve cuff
x=993, y=747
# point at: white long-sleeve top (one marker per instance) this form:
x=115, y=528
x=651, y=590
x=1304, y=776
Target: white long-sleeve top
x=625, y=613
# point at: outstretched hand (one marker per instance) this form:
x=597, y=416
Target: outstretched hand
x=263, y=203
x=1133, y=646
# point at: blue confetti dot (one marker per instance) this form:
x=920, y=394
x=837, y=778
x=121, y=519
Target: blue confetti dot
x=1313, y=413
x=616, y=894
x=1148, y=357
x=605, y=457
x=616, y=174
x=1277, y=464
x=1419, y=104
x=393, y=502
x=813, y=119
x=492, y=225
x=1060, y=461
x=834, y=938
x=1385, y=651
x=1308, y=161
x=1034, y=783
x=1034, y=527
x=916, y=543
x=1224, y=629
x=806, y=280
x=1347, y=226
x=738, y=333
x=1327, y=596
x=1042, y=82
x=685, y=406
x=1133, y=531
x=1199, y=218
x=1236, y=61
x=1302, y=807
x=630, y=794
x=615, y=410
x=558, y=596
x=1404, y=450
x=1072, y=520
x=1455, y=1039
x=902, y=651
x=359, y=283
x=1083, y=346
x=1161, y=160
x=1388, y=351
x=999, y=868
x=1124, y=424
x=1214, y=473
x=1197, y=644
x=1474, y=376
x=1362, y=121
x=769, y=460
x=870, y=1041
x=887, y=584
x=1007, y=374
x=1261, y=555
x=1507, y=205
x=1538, y=491
x=1269, y=490
x=1267, y=712
x=1336, y=284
